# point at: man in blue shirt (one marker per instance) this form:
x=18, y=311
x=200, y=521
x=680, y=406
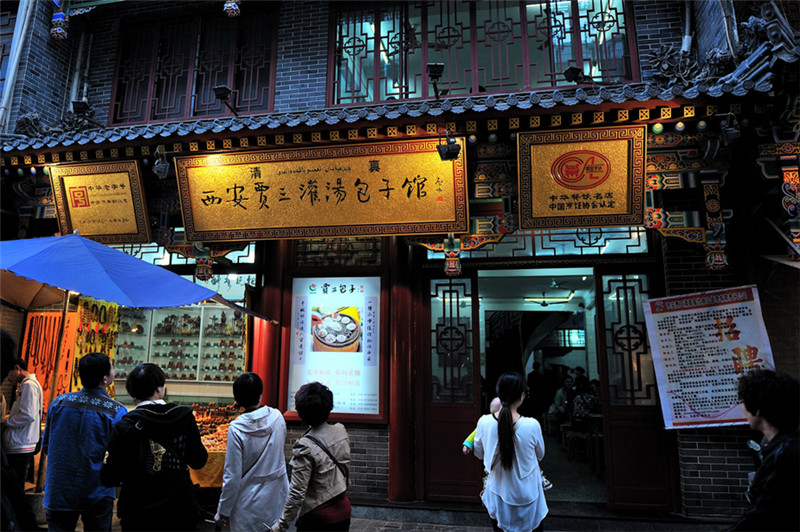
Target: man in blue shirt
x=75, y=439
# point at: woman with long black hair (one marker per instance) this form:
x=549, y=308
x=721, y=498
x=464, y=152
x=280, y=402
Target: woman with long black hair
x=511, y=446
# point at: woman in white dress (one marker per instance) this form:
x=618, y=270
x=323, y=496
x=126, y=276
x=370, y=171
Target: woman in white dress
x=511, y=446
x=254, y=481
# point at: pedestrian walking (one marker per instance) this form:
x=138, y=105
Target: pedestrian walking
x=511, y=447
x=75, y=438
x=150, y=453
x=771, y=403
x=254, y=483
x=320, y=461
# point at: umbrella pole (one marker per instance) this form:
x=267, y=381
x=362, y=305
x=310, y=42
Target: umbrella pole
x=54, y=379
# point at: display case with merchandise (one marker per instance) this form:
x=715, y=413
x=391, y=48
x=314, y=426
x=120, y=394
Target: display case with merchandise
x=201, y=349
x=133, y=338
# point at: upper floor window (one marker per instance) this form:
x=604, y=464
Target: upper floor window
x=7, y=21
x=168, y=67
x=382, y=49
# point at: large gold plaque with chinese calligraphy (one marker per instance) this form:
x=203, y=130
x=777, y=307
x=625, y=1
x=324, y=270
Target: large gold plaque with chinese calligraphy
x=581, y=177
x=104, y=201
x=387, y=188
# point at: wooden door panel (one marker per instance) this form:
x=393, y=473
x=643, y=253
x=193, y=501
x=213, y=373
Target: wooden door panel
x=451, y=403
x=641, y=465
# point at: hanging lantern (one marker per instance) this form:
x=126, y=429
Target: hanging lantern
x=59, y=26
x=716, y=258
x=203, y=270
x=452, y=256
x=232, y=8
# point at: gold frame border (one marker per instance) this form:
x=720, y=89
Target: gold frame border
x=131, y=167
x=459, y=225
x=636, y=136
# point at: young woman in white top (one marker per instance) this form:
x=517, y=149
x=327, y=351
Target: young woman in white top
x=511, y=446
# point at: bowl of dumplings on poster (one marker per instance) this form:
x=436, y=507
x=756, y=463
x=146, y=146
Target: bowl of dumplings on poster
x=336, y=330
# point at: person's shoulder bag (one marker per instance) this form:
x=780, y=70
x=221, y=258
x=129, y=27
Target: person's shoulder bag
x=343, y=468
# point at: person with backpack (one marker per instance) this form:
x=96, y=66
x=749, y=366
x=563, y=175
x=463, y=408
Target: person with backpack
x=150, y=452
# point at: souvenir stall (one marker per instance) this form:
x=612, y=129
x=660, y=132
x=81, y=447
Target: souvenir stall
x=201, y=343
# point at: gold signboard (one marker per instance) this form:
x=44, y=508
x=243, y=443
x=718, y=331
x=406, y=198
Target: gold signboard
x=582, y=177
x=104, y=201
x=386, y=188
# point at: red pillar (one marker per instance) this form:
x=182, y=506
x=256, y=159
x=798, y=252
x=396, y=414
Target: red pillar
x=401, y=402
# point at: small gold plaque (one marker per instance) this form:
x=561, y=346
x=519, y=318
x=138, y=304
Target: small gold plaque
x=104, y=201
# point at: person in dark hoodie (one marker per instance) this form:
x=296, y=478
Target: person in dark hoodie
x=771, y=404
x=149, y=453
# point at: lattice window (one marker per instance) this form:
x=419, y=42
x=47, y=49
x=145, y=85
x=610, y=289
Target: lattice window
x=382, y=50
x=7, y=20
x=158, y=255
x=562, y=242
x=451, y=340
x=338, y=252
x=631, y=375
x=168, y=67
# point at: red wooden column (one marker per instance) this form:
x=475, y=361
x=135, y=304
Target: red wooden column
x=401, y=402
x=267, y=334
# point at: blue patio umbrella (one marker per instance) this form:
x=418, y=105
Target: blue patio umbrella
x=77, y=264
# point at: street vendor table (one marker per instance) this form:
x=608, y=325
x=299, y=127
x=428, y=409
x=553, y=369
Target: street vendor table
x=210, y=475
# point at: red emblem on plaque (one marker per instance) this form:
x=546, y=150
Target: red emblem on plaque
x=79, y=197
x=580, y=169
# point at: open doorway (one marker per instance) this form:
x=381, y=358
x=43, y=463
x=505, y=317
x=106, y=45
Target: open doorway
x=540, y=322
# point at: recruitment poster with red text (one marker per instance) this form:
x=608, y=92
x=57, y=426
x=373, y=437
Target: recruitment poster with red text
x=701, y=344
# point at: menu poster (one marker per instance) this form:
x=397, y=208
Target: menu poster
x=701, y=344
x=335, y=340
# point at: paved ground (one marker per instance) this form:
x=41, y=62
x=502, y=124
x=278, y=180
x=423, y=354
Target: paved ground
x=564, y=517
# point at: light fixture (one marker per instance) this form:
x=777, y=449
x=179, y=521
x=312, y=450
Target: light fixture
x=223, y=93
x=449, y=150
x=680, y=127
x=162, y=168
x=435, y=71
x=657, y=128
x=83, y=110
x=545, y=301
x=730, y=129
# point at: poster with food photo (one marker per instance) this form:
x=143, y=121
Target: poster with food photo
x=335, y=340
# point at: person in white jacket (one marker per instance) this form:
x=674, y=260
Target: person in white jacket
x=22, y=429
x=511, y=446
x=254, y=481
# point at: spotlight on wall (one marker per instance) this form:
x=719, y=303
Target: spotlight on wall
x=162, y=167
x=435, y=71
x=449, y=150
x=223, y=94
x=730, y=129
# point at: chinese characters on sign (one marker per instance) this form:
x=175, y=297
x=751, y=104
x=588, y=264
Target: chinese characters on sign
x=335, y=340
x=701, y=344
x=386, y=188
x=582, y=178
x=102, y=200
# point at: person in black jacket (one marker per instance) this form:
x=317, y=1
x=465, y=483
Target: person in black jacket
x=771, y=404
x=149, y=453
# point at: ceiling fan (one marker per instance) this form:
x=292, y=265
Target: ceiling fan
x=547, y=301
x=556, y=285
